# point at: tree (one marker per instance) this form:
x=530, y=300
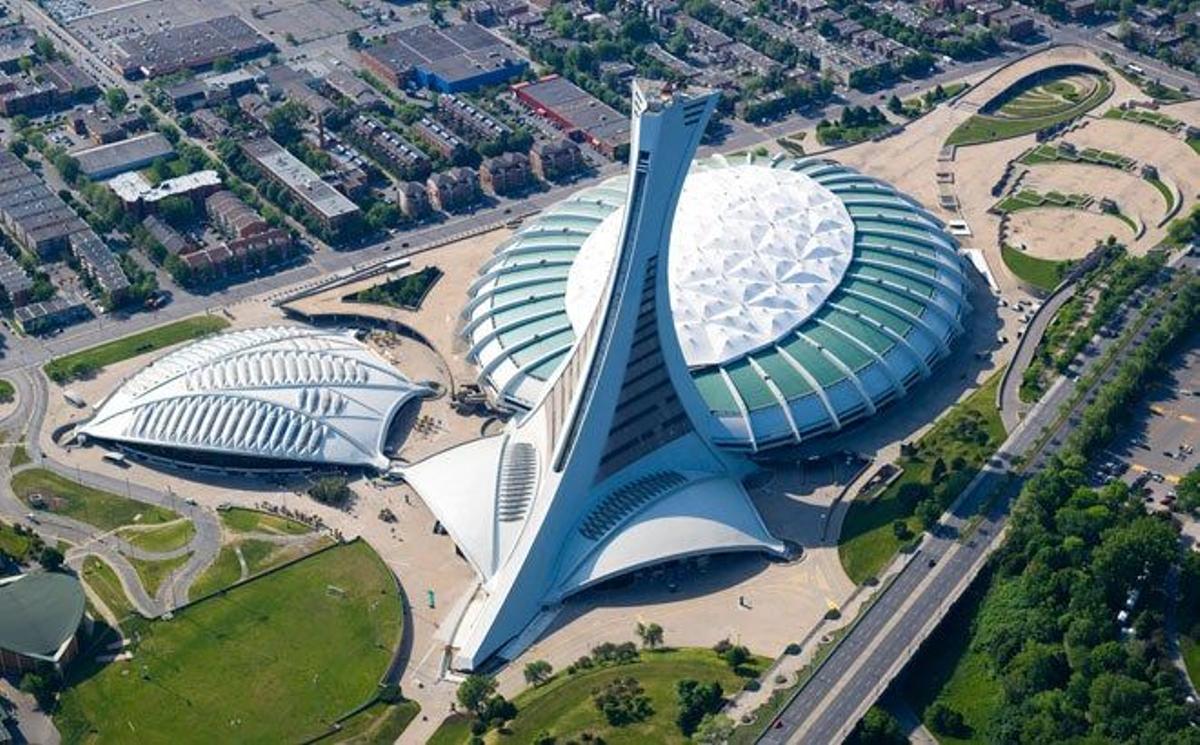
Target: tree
x=928, y=511
x=474, y=692
x=177, y=210
x=51, y=558
x=938, y=471
x=900, y=530
x=284, y=122
x=223, y=64
x=41, y=686
x=538, y=672
x=622, y=701
x=696, y=700
x=736, y=656
x=878, y=727
x=651, y=635
x=1188, y=491
x=354, y=39
x=331, y=490
x=946, y=721
x=714, y=729
x=895, y=105
x=117, y=99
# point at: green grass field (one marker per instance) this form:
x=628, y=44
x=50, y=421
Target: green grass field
x=93, y=359
x=274, y=660
x=947, y=669
x=167, y=537
x=241, y=520
x=378, y=724
x=103, y=581
x=1167, y=195
x=1027, y=113
x=564, y=706
x=92, y=506
x=154, y=573
x=1041, y=273
x=14, y=544
x=971, y=430
x=20, y=456
x=222, y=573
x=7, y=391
x=1143, y=116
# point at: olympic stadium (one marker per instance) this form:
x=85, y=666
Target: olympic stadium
x=805, y=295
x=262, y=398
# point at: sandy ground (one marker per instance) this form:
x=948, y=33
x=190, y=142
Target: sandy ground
x=1055, y=233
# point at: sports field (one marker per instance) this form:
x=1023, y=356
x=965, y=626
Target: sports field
x=274, y=660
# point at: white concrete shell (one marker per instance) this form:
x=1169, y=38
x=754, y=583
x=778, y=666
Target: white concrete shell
x=283, y=393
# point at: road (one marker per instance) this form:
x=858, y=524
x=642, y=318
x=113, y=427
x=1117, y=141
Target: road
x=890, y=631
x=86, y=539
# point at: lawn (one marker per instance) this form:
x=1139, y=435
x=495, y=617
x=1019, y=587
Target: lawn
x=259, y=556
x=378, y=724
x=241, y=520
x=947, y=669
x=222, y=573
x=1167, y=195
x=7, y=392
x=88, y=361
x=274, y=660
x=93, y=506
x=160, y=539
x=970, y=431
x=1041, y=273
x=564, y=706
x=154, y=573
x=14, y=544
x=1025, y=118
x=103, y=581
x=20, y=456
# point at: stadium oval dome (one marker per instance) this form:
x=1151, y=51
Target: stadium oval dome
x=805, y=295
x=261, y=397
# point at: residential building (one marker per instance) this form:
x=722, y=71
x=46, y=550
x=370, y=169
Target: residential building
x=454, y=189
x=442, y=140
x=97, y=262
x=233, y=216
x=505, y=174
x=469, y=121
x=412, y=199
x=394, y=153
x=320, y=200
x=47, y=315
x=554, y=160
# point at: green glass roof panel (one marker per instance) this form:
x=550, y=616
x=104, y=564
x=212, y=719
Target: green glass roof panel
x=894, y=323
x=750, y=387
x=814, y=363
x=715, y=392
x=790, y=382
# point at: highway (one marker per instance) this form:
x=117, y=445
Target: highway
x=888, y=634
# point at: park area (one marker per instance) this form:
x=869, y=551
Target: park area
x=936, y=470
x=564, y=706
x=42, y=489
x=88, y=362
x=1037, y=102
x=405, y=292
x=1043, y=274
x=278, y=659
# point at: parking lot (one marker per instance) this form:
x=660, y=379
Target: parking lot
x=1160, y=446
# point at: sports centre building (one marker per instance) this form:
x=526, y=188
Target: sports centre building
x=652, y=331
x=261, y=398
x=805, y=295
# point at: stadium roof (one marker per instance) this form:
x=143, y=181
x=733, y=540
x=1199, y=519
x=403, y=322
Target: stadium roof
x=276, y=393
x=805, y=294
x=39, y=612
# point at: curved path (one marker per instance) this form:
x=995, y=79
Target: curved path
x=28, y=416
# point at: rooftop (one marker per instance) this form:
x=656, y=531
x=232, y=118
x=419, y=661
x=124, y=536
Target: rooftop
x=123, y=155
x=39, y=613
x=133, y=186
x=300, y=178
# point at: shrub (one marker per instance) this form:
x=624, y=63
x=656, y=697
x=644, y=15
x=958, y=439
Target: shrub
x=623, y=701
